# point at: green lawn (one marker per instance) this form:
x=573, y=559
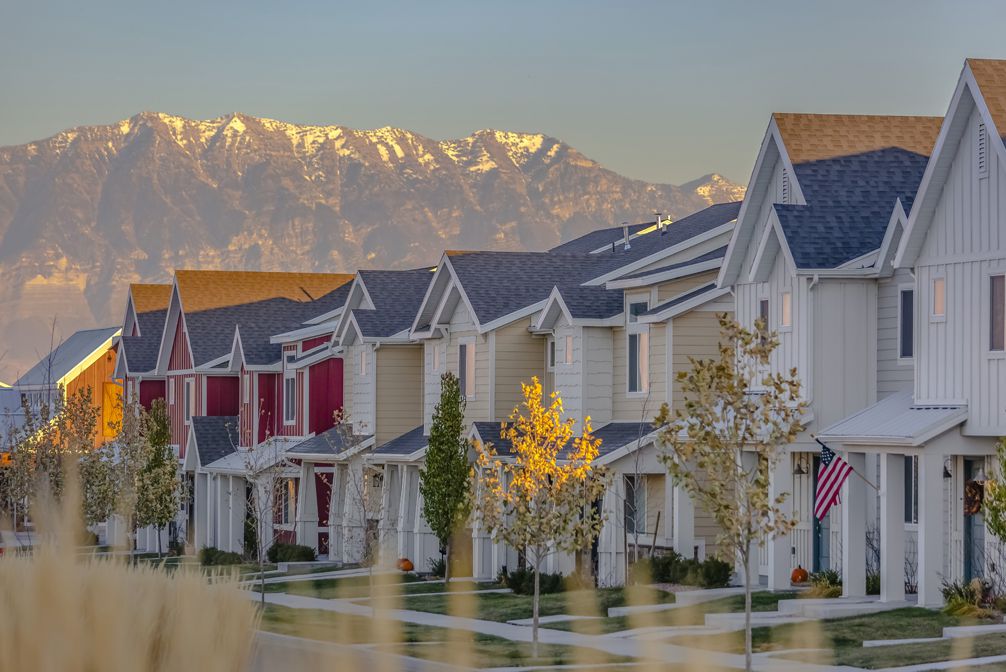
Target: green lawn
x=360, y=586
x=508, y=606
x=420, y=641
x=760, y=601
x=845, y=637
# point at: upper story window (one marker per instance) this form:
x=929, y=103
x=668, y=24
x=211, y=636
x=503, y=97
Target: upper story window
x=939, y=308
x=906, y=323
x=289, y=391
x=636, y=308
x=638, y=347
x=786, y=317
x=763, y=312
x=550, y=353
x=189, y=399
x=569, y=350
x=466, y=369
x=997, y=313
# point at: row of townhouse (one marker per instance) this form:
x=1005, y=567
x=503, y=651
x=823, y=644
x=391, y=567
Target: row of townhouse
x=873, y=246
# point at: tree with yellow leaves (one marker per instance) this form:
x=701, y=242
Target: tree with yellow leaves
x=735, y=407
x=539, y=498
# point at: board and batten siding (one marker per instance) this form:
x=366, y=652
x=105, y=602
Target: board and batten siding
x=965, y=243
x=399, y=380
x=894, y=374
x=517, y=357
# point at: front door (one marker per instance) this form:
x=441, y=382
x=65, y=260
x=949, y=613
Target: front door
x=974, y=525
x=822, y=530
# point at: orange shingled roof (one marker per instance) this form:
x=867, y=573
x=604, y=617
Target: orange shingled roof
x=150, y=297
x=991, y=78
x=208, y=290
x=815, y=137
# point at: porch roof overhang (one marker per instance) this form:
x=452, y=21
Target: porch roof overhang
x=896, y=421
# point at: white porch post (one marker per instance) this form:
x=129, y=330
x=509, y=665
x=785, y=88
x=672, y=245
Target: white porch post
x=780, y=556
x=854, y=529
x=199, y=502
x=335, y=506
x=611, y=545
x=892, y=527
x=353, y=521
x=931, y=539
x=683, y=512
x=236, y=497
x=307, y=507
x=404, y=526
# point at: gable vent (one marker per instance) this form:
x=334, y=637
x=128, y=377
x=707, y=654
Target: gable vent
x=982, y=151
x=785, y=185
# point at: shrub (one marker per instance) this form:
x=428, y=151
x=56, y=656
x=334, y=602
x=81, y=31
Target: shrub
x=210, y=556
x=826, y=583
x=716, y=573
x=673, y=568
x=521, y=582
x=873, y=583
x=967, y=599
x=438, y=567
x=281, y=552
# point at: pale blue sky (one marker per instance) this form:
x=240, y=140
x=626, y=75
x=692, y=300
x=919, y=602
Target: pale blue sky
x=664, y=91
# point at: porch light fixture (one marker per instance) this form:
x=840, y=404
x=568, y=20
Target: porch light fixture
x=980, y=477
x=946, y=469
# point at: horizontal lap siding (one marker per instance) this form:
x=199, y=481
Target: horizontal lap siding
x=639, y=408
x=399, y=391
x=966, y=242
x=893, y=373
x=93, y=378
x=668, y=290
x=519, y=357
x=694, y=335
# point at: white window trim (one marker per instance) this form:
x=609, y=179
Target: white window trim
x=470, y=356
x=641, y=510
x=289, y=374
x=986, y=312
x=644, y=390
x=362, y=368
x=905, y=287
x=245, y=388
x=785, y=327
x=171, y=391
x=568, y=350
x=757, y=315
x=550, y=354
x=933, y=315
x=188, y=400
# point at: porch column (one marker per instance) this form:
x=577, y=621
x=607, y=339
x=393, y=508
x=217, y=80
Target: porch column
x=353, y=519
x=403, y=525
x=892, y=527
x=854, y=529
x=307, y=507
x=931, y=539
x=611, y=545
x=683, y=512
x=199, y=503
x=238, y=506
x=780, y=555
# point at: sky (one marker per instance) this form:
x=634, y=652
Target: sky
x=660, y=91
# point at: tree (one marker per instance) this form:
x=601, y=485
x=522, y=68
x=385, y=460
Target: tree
x=540, y=498
x=158, y=485
x=444, y=480
x=994, y=502
x=733, y=405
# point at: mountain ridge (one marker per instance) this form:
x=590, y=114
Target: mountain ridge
x=90, y=209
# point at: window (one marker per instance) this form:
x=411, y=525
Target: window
x=635, y=504
x=906, y=323
x=786, y=319
x=997, y=313
x=285, y=502
x=246, y=388
x=466, y=369
x=569, y=350
x=550, y=345
x=189, y=399
x=911, y=489
x=171, y=392
x=939, y=297
x=639, y=361
x=363, y=362
x=637, y=308
x=763, y=313
x=289, y=391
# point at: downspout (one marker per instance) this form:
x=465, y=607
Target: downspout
x=809, y=392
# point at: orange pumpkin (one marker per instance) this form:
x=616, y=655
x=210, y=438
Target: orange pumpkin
x=799, y=575
x=405, y=565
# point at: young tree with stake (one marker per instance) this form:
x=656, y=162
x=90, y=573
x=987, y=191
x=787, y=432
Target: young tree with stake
x=734, y=405
x=444, y=480
x=540, y=499
x=158, y=483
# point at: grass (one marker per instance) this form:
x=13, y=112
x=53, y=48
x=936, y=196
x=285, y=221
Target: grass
x=422, y=641
x=695, y=615
x=844, y=638
x=352, y=586
x=504, y=607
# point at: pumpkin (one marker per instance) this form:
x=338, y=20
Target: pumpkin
x=405, y=565
x=799, y=575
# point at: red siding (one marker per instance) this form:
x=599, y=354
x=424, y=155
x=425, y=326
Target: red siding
x=151, y=390
x=314, y=342
x=267, y=396
x=247, y=415
x=222, y=395
x=325, y=394
x=176, y=411
x=180, y=359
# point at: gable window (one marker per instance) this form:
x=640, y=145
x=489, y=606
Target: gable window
x=289, y=391
x=550, y=349
x=786, y=318
x=939, y=298
x=466, y=369
x=906, y=323
x=569, y=350
x=189, y=400
x=637, y=308
x=245, y=388
x=997, y=313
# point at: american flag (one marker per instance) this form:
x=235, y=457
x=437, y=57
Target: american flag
x=830, y=477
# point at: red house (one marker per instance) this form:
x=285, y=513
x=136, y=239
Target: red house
x=142, y=330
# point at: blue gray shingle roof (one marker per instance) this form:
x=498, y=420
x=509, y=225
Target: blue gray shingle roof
x=332, y=441
x=405, y=444
x=681, y=298
x=396, y=296
x=592, y=301
x=215, y=436
x=598, y=238
x=490, y=433
x=615, y=435
x=65, y=357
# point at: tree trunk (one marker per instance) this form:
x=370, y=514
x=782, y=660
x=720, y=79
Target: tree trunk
x=746, y=555
x=537, y=593
x=158, y=528
x=447, y=562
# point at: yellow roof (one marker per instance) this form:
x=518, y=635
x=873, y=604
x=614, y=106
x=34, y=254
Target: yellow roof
x=209, y=290
x=816, y=137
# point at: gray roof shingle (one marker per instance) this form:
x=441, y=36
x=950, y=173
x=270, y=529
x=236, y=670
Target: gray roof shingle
x=332, y=441
x=592, y=301
x=595, y=240
x=490, y=432
x=406, y=444
x=615, y=435
x=396, y=296
x=215, y=436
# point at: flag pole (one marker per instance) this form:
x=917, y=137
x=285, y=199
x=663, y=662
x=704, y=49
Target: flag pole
x=865, y=479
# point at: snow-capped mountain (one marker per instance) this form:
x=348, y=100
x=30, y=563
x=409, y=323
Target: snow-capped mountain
x=89, y=210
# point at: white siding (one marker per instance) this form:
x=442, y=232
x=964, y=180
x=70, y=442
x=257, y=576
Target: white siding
x=364, y=388
x=893, y=373
x=431, y=378
x=965, y=242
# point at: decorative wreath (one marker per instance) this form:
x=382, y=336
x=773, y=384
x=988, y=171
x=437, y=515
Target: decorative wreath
x=974, y=493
